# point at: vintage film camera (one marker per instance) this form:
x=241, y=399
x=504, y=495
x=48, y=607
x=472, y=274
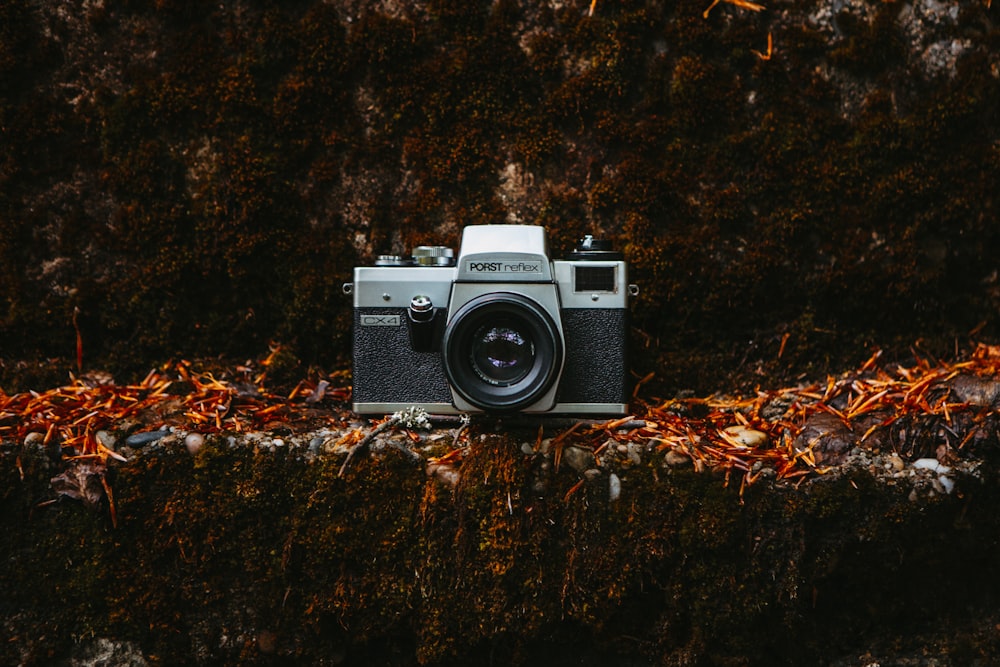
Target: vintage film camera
x=502, y=329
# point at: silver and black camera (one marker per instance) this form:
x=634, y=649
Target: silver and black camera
x=501, y=329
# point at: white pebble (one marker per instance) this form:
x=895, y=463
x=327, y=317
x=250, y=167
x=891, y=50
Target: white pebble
x=193, y=442
x=745, y=436
x=614, y=487
x=947, y=484
x=931, y=464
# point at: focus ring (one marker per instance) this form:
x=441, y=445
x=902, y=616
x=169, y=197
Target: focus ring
x=519, y=317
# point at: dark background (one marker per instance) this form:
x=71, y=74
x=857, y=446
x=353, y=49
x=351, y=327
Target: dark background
x=197, y=179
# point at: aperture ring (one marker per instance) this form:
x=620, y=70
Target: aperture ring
x=509, y=311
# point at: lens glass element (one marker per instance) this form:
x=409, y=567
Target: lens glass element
x=502, y=352
x=501, y=355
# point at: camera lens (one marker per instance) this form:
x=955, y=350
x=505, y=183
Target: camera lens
x=501, y=355
x=502, y=351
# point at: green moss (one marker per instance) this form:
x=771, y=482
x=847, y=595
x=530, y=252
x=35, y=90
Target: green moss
x=387, y=564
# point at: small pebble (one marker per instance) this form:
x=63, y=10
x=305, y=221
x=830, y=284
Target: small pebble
x=946, y=484
x=144, y=438
x=578, y=458
x=930, y=464
x=675, y=459
x=106, y=439
x=614, y=487
x=982, y=392
x=193, y=442
x=747, y=437
x=34, y=438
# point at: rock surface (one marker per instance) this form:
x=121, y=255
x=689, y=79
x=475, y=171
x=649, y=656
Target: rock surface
x=464, y=544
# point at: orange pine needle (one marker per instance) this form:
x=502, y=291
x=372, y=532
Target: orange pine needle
x=767, y=56
x=573, y=489
x=786, y=336
x=79, y=341
x=111, y=502
x=743, y=4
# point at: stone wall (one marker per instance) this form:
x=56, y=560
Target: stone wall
x=192, y=179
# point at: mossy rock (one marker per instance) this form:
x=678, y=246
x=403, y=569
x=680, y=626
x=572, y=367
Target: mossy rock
x=264, y=555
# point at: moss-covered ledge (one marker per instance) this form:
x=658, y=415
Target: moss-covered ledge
x=267, y=555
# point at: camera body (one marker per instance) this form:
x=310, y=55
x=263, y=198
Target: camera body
x=503, y=328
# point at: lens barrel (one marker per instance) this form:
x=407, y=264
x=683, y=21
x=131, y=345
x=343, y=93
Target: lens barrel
x=502, y=351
